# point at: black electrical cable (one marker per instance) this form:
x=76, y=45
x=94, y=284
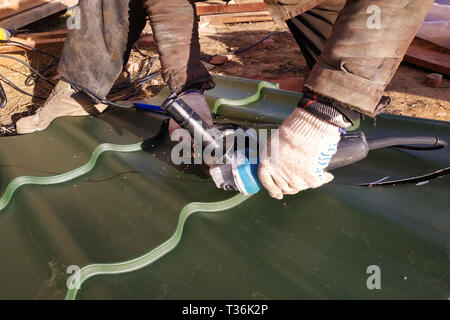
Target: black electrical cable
x=32, y=78
x=256, y=43
x=418, y=179
x=138, y=50
x=140, y=79
x=206, y=57
x=29, y=67
x=132, y=95
x=138, y=82
x=11, y=84
x=92, y=93
x=411, y=143
x=149, y=77
x=23, y=45
x=125, y=85
x=145, y=70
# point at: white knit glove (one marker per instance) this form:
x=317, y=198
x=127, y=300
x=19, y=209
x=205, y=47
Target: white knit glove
x=197, y=101
x=305, y=147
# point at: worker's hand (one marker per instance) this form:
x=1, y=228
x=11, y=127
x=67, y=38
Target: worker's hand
x=197, y=101
x=306, y=144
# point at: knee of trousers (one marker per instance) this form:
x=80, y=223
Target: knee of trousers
x=367, y=44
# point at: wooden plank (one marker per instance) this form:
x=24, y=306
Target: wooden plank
x=13, y=7
x=24, y=18
x=46, y=34
x=237, y=17
x=231, y=8
x=48, y=7
x=36, y=40
x=426, y=58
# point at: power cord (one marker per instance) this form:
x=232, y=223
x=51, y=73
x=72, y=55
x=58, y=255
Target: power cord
x=143, y=77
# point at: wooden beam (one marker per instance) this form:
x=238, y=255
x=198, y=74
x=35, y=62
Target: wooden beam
x=46, y=34
x=36, y=40
x=13, y=7
x=29, y=16
x=237, y=17
x=430, y=59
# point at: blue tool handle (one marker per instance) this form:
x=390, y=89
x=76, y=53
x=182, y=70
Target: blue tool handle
x=247, y=174
x=249, y=177
x=148, y=107
x=352, y=148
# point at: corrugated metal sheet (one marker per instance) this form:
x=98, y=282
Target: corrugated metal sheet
x=317, y=244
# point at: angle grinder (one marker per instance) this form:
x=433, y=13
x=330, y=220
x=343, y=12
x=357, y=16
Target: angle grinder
x=237, y=168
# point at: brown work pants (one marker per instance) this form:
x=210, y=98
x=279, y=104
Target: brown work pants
x=95, y=54
x=364, y=49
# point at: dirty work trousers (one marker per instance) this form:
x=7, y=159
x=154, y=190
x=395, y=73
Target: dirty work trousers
x=361, y=42
x=94, y=54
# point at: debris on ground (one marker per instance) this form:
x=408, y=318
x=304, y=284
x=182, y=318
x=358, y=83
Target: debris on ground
x=218, y=60
x=434, y=80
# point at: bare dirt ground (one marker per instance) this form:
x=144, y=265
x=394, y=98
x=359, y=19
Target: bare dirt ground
x=280, y=60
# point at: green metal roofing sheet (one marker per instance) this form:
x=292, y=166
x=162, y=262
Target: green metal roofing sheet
x=317, y=244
